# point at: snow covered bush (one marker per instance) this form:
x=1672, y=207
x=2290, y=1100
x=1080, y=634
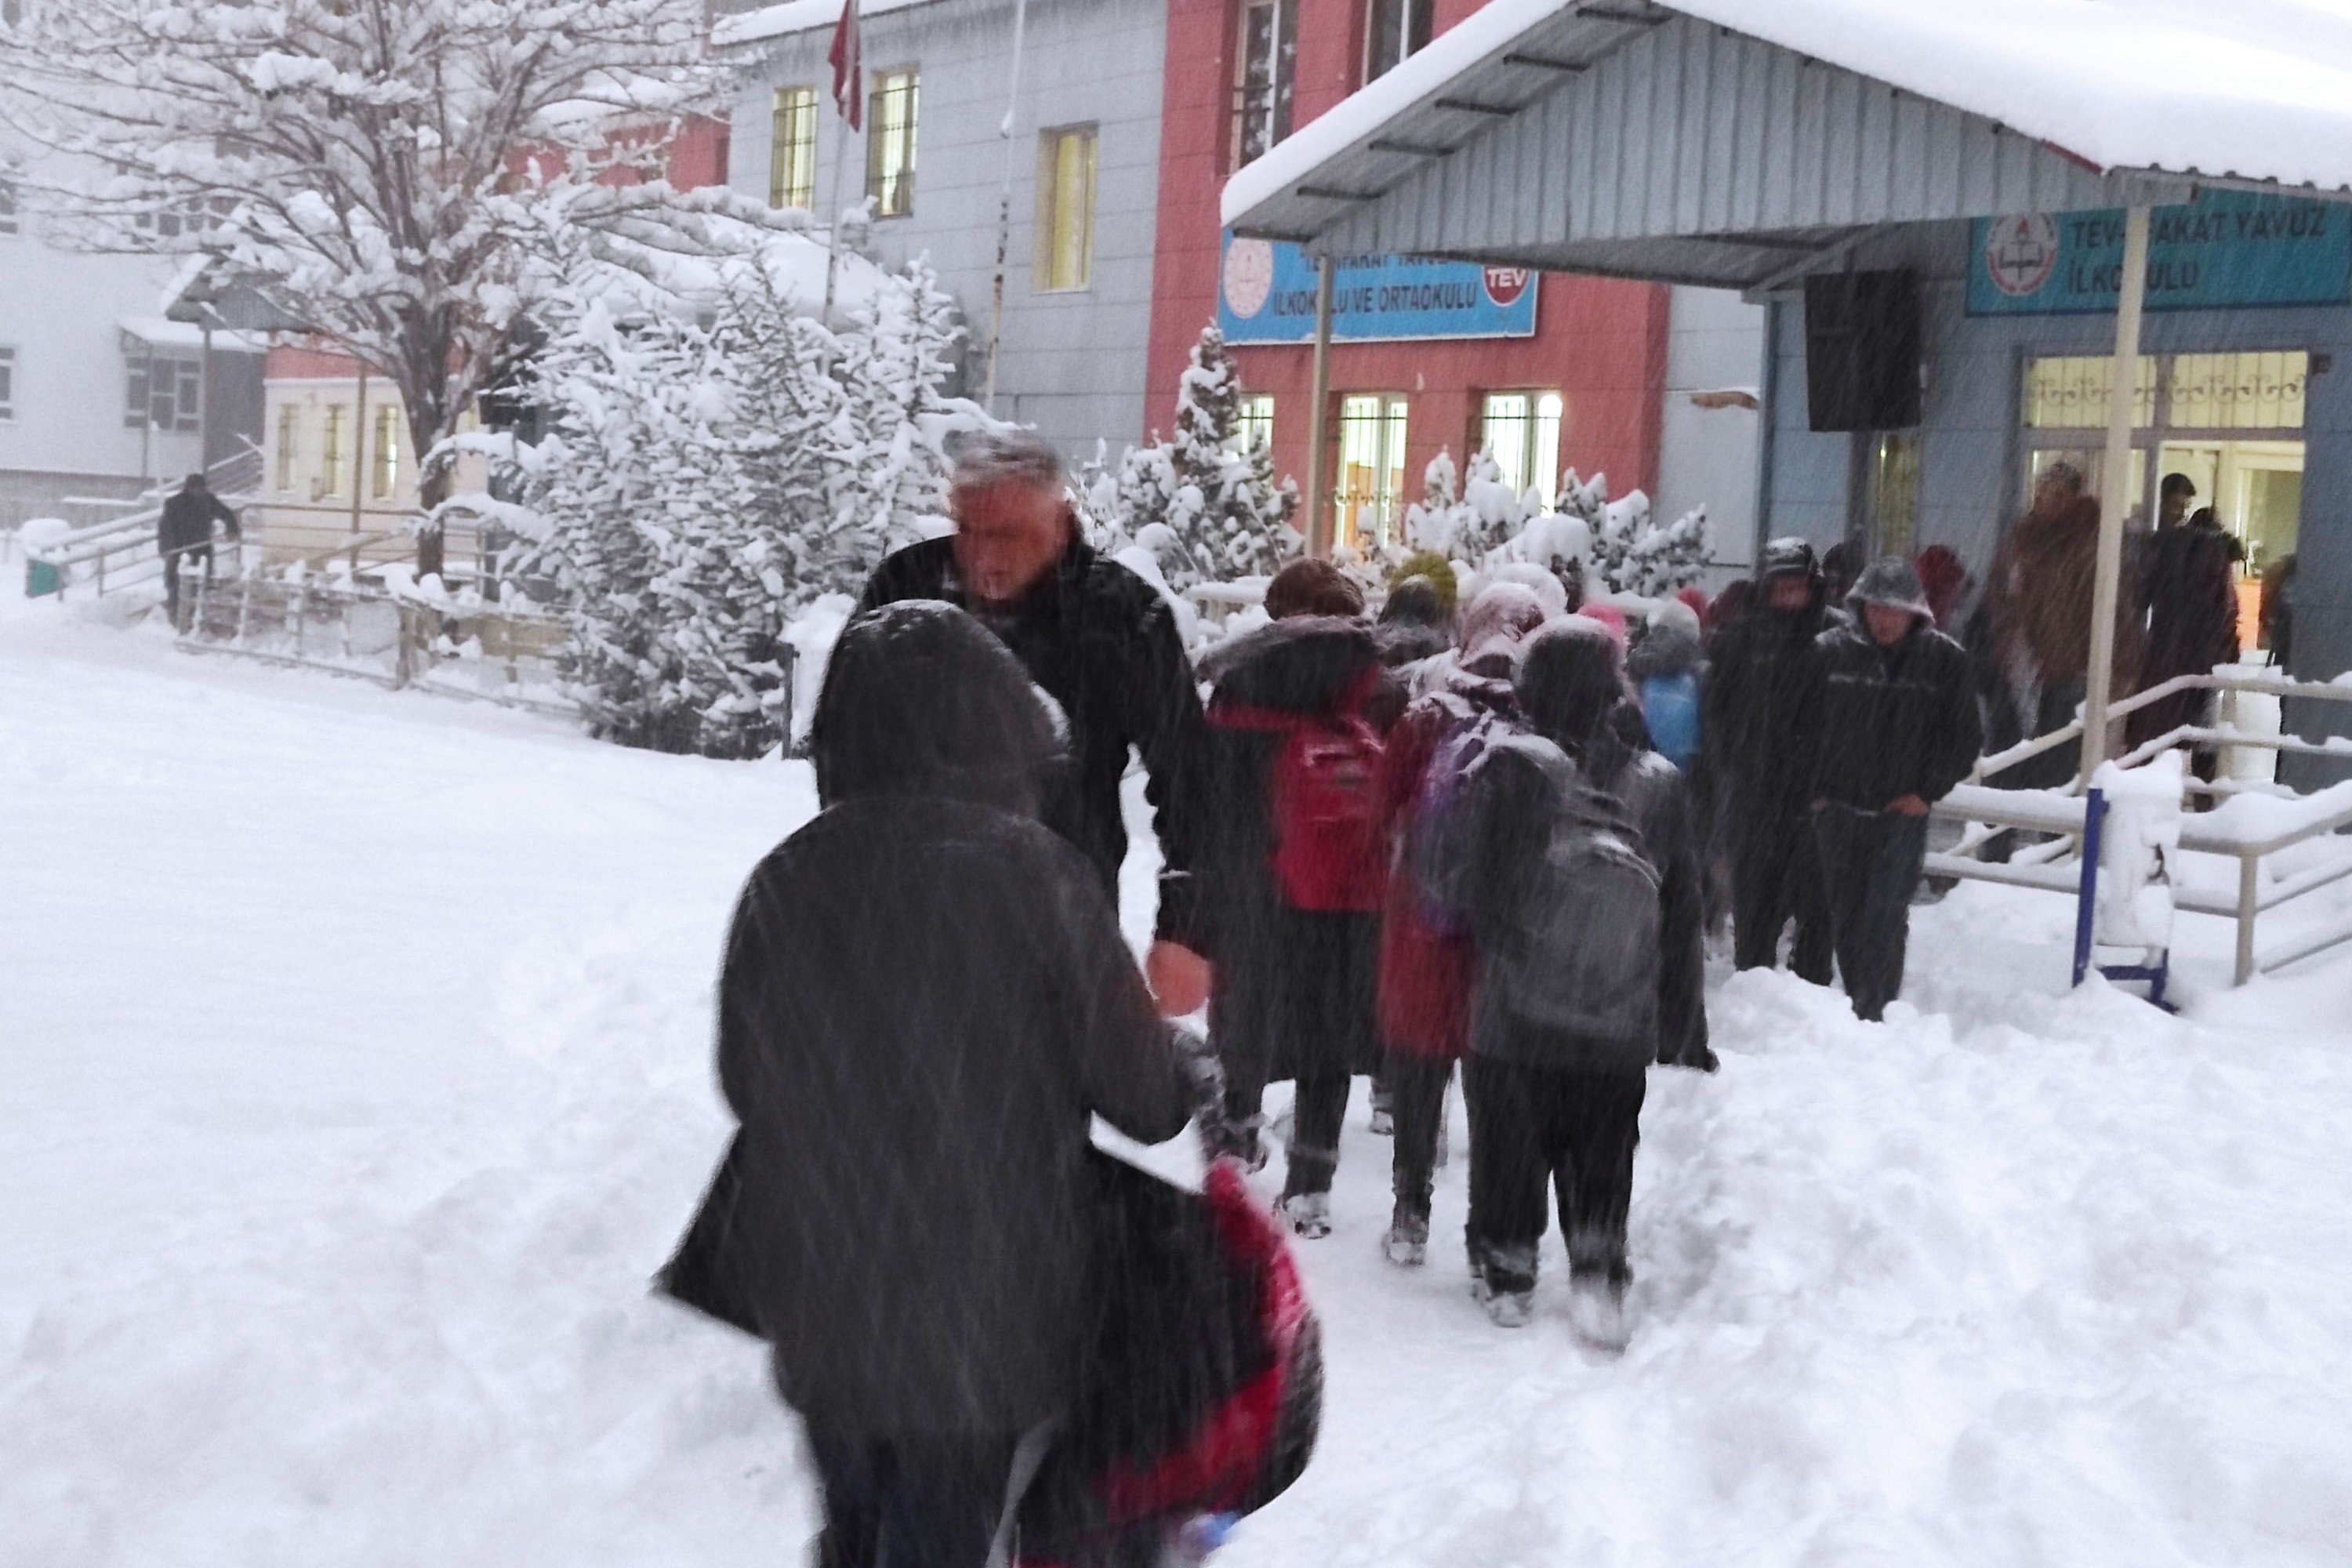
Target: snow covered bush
x=711, y=469
x=1465, y=521
x=1206, y=513
x=1633, y=554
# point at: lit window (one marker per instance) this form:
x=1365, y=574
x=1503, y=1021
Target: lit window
x=1372, y=467
x=890, y=144
x=1264, y=72
x=385, y=473
x=2238, y=392
x=330, y=452
x=7, y=384
x=290, y=446
x=1253, y=426
x=1521, y=429
x=1396, y=28
x=791, y=156
x=1066, y=208
x=2071, y=393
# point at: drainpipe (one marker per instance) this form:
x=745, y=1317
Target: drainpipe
x=1319, y=414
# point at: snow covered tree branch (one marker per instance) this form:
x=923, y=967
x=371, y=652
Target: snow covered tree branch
x=386, y=172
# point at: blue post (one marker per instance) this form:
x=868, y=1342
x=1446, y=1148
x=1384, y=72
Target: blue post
x=2094, y=808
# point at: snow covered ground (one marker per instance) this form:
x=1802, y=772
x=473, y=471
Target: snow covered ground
x=356, y=1060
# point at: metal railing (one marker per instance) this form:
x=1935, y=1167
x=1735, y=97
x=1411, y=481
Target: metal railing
x=1986, y=812
x=119, y=553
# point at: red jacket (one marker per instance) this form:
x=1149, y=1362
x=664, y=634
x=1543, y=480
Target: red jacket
x=1427, y=973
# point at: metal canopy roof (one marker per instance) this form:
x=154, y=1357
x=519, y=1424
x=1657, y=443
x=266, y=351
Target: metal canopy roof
x=1629, y=138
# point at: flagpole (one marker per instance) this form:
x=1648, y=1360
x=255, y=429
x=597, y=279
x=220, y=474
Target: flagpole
x=847, y=58
x=1005, y=204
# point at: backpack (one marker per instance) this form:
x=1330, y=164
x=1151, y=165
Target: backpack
x=1580, y=955
x=1670, y=705
x=1323, y=810
x=1437, y=817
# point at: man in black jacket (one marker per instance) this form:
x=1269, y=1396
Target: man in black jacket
x=1896, y=727
x=1102, y=643
x=184, y=534
x=1760, y=756
x=925, y=997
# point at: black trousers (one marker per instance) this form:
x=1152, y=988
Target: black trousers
x=1534, y=1128
x=195, y=555
x=927, y=1501
x=1318, y=1113
x=1418, y=1083
x=1776, y=877
x=1870, y=863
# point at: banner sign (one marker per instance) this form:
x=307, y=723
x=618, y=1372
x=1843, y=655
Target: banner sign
x=2225, y=248
x=1265, y=294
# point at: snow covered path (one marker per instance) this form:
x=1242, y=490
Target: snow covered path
x=356, y=1058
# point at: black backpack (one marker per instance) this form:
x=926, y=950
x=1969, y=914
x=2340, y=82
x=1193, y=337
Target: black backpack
x=1579, y=954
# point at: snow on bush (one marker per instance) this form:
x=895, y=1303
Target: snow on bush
x=709, y=473
x=1206, y=513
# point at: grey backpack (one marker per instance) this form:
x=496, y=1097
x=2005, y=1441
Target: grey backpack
x=1580, y=954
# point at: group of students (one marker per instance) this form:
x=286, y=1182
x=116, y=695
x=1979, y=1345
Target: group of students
x=1394, y=848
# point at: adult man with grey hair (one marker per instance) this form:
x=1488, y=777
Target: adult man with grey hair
x=1103, y=644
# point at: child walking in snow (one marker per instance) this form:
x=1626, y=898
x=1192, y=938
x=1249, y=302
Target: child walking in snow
x=1571, y=858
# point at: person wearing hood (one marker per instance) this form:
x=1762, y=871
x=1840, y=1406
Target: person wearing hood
x=1103, y=644
x=1292, y=881
x=1667, y=667
x=1758, y=744
x=925, y=998
x=1573, y=862
x=1414, y=624
x=1427, y=966
x=1898, y=728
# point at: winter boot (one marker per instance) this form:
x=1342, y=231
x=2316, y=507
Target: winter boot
x=1308, y=1214
x=1407, y=1242
x=1503, y=1278
x=1596, y=1311
x=1239, y=1140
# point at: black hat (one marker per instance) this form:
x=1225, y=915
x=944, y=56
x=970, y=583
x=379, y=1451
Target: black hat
x=1786, y=554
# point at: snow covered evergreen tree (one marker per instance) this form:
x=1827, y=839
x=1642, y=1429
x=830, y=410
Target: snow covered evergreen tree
x=1630, y=552
x=384, y=171
x=713, y=468
x=1206, y=511
x=1465, y=522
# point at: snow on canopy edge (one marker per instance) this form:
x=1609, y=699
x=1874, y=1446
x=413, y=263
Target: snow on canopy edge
x=2166, y=96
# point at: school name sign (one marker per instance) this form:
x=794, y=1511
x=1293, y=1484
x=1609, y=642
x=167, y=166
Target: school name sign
x=1265, y=294
x=2226, y=248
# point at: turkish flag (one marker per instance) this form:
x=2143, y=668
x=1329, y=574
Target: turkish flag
x=848, y=67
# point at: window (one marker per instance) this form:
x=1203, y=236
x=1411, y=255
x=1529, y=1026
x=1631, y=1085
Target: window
x=330, y=452
x=890, y=144
x=2233, y=423
x=9, y=219
x=1064, y=257
x=290, y=446
x=1394, y=29
x=1522, y=430
x=1895, y=492
x=162, y=395
x=1255, y=426
x=1264, y=69
x=7, y=384
x=791, y=156
x=1372, y=467
x=384, y=472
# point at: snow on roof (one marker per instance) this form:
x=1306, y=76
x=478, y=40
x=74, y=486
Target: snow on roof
x=792, y=17
x=162, y=332
x=2258, y=89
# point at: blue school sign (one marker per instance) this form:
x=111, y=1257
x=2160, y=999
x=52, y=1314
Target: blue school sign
x=2225, y=248
x=1265, y=294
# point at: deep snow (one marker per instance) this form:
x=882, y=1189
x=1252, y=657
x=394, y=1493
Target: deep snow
x=357, y=1064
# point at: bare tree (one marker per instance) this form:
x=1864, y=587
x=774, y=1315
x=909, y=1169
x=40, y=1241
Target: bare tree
x=388, y=172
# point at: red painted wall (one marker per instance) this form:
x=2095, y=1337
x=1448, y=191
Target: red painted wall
x=1600, y=342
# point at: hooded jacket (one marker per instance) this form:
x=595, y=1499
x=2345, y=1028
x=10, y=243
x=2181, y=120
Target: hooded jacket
x=1895, y=721
x=1753, y=718
x=1102, y=643
x=925, y=997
